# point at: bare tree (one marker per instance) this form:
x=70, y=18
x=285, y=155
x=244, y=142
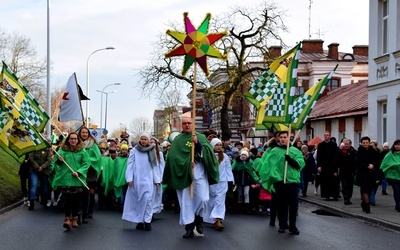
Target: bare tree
x=169, y=102
x=139, y=125
x=251, y=33
x=22, y=58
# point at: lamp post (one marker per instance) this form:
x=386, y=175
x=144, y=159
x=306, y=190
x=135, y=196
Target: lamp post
x=87, y=81
x=101, y=102
x=105, y=116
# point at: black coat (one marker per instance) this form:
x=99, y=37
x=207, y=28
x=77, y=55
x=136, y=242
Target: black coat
x=346, y=162
x=326, y=158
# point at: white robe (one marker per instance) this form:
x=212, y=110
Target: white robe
x=216, y=204
x=138, y=206
x=196, y=205
x=158, y=192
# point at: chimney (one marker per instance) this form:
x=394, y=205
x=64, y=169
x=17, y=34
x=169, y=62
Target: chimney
x=313, y=46
x=275, y=51
x=360, y=50
x=333, y=52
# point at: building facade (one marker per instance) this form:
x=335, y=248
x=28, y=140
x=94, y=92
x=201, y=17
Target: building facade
x=384, y=70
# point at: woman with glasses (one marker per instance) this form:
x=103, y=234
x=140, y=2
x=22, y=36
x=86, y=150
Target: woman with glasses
x=70, y=166
x=215, y=209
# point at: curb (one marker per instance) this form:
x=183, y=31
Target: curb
x=375, y=221
x=11, y=207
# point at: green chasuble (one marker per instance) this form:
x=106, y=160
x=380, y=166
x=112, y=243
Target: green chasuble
x=273, y=168
x=95, y=158
x=120, y=164
x=391, y=166
x=178, y=168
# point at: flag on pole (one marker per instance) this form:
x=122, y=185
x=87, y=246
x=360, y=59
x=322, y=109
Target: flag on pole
x=70, y=105
x=18, y=136
x=272, y=93
x=22, y=99
x=303, y=105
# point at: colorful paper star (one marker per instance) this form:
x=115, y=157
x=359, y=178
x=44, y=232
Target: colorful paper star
x=196, y=44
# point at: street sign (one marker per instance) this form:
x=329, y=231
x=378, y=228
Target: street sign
x=94, y=133
x=105, y=131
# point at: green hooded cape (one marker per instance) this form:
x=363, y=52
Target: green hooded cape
x=120, y=164
x=95, y=158
x=108, y=174
x=273, y=168
x=178, y=168
x=391, y=166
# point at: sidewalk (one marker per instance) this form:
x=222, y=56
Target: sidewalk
x=382, y=214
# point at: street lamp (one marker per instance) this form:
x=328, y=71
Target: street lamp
x=87, y=81
x=101, y=103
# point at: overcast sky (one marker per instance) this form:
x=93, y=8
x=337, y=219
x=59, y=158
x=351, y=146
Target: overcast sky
x=79, y=27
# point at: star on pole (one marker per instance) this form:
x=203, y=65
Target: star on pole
x=196, y=44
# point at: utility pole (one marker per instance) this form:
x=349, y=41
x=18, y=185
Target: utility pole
x=309, y=19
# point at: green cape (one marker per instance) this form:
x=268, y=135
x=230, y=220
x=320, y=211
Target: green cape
x=108, y=173
x=120, y=164
x=79, y=161
x=95, y=158
x=273, y=168
x=178, y=168
x=391, y=166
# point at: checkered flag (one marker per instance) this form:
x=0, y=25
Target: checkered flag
x=22, y=99
x=31, y=113
x=262, y=88
x=303, y=105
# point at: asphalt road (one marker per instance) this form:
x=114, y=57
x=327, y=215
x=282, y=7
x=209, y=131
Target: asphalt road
x=42, y=229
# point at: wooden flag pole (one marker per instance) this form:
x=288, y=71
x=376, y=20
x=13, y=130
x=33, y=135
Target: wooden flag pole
x=287, y=153
x=71, y=169
x=194, y=124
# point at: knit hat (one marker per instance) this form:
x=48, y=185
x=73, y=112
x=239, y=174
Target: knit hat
x=386, y=144
x=244, y=152
x=124, y=146
x=235, y=150
x=215, y=141
x=145, y=134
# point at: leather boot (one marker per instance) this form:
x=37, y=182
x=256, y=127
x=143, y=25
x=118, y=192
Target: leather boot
x=197, y=222
x=67, y=223
x=189, y=231
x=367, y=208
x=75, y=222
x=218, y=225
x=31, y=204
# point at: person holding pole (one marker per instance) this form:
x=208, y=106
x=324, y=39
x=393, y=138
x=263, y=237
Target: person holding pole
x=184, y=173
x=70, y=166
x=286, y=189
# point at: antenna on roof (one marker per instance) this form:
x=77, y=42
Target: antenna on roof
x=309, y=20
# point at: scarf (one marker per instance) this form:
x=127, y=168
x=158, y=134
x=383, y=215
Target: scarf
x=88, y=143
x=151, y=153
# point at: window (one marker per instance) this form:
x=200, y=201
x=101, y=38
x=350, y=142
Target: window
x=385, y=17
x=334, y=83
x=382, y=121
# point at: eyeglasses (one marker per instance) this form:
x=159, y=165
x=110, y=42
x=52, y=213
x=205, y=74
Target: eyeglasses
x=186, y=123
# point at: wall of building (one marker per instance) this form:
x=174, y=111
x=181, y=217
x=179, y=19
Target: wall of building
x=384, y=72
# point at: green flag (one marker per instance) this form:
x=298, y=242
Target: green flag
x=26, y=103
x=17, y=135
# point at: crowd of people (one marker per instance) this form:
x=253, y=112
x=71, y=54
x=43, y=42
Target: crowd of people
x=201, y=176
